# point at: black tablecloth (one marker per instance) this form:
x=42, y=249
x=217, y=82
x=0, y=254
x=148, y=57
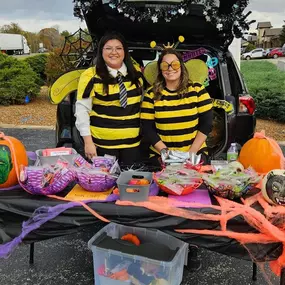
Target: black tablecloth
x=18, y=206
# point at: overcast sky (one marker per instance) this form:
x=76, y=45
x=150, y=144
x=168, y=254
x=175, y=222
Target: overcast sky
x=33, y=15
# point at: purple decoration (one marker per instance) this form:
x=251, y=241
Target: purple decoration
x=34, y=181
x=11, y=188
x=45, y=214
x=95, y=182
x=193, y=53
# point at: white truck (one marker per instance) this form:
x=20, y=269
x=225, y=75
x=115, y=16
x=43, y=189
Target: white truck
x=13, y=44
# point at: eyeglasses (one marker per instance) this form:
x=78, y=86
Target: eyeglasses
x=115, y=49
x=175, y=64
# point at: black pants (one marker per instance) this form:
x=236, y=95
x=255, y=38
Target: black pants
x=126, y=157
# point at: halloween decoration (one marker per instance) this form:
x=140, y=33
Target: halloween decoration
x=262, y=153
x=228, y=19
x=131, y=238
x=12, y=155
x=273, y=187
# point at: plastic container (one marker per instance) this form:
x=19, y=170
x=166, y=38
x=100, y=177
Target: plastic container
x=172, y=271
x=135, y=193
x=51, y=160
x=232, y=153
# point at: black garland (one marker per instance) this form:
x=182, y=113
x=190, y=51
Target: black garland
x=230, y=22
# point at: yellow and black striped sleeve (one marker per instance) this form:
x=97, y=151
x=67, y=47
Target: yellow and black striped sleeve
x=147, y=108
x=86, y=84
x=205, y=106
x=204, y=99
x=149, y=130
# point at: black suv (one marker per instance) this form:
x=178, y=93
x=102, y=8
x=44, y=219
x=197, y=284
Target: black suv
x=237, y=126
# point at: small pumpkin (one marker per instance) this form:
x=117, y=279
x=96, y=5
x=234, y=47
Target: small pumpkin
x=261, y=153
x=273, y=187
x=11, y=148
x=131, y=238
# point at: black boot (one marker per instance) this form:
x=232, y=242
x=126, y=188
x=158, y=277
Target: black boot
x=194, y=263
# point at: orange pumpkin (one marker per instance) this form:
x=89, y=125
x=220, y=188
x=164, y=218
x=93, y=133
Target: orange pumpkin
x=262, y=153
x=9, y=148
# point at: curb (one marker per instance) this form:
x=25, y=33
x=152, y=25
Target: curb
x=31, y=127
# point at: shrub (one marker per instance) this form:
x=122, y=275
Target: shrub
x=17, y=80
x=38, y=64
x=266, y=84
x=250, y=47
x=54, y=67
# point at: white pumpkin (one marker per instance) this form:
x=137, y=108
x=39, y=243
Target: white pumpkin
x=273, y=187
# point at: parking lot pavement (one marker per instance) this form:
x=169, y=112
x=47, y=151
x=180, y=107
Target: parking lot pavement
x=68, y=261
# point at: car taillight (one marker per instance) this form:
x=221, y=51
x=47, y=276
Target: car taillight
x=246, y=104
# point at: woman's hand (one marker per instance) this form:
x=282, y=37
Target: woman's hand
x=89, y=147
x=90, y=150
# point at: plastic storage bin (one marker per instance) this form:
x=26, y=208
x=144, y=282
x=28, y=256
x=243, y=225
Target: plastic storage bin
x=50, y=160
x=172, y=271
x=141, y=191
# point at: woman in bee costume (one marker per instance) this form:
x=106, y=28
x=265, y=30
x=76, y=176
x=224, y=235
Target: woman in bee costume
x=108, y=103
x=176, y=111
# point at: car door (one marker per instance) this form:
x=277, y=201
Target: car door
x=257, y=53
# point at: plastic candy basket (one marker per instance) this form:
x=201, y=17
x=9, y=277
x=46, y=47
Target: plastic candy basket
x=231, y=184
x=96, y=177
x=95, y=180
x=227, y=191
x=33, y=180
x=185, y=188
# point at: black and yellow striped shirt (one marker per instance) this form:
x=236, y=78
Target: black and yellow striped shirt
x=112, y=126
x=176, y=118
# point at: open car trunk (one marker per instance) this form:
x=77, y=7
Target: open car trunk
x=198, y=33
x=194, y=26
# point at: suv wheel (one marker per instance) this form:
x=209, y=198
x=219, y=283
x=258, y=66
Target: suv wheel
x=275, y=56
x=248, y=58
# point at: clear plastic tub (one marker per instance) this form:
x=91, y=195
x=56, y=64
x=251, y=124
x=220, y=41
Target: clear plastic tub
x=135, y=193
x=171, y=272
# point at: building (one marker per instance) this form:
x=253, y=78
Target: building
x=271, y=38
x=261, y=28
x=267, y=37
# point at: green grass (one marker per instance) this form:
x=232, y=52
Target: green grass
x=262, y=74
x=267, y=86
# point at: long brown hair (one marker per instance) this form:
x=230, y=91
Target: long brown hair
x=160, y=83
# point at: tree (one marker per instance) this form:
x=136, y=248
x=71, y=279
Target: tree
x=33, y=40
x=282, y=35
x=13, y=28
x=51, y=38
x=65, y=33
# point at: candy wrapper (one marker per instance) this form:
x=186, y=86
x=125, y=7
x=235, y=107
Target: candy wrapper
x=177, y=157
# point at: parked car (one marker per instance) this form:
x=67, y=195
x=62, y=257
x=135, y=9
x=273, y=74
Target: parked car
x=275, y=53
x=267, y=51
x=229, y=86
x=256, y=53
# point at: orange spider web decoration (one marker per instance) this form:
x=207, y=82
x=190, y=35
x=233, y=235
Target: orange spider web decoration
x=269, y=225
